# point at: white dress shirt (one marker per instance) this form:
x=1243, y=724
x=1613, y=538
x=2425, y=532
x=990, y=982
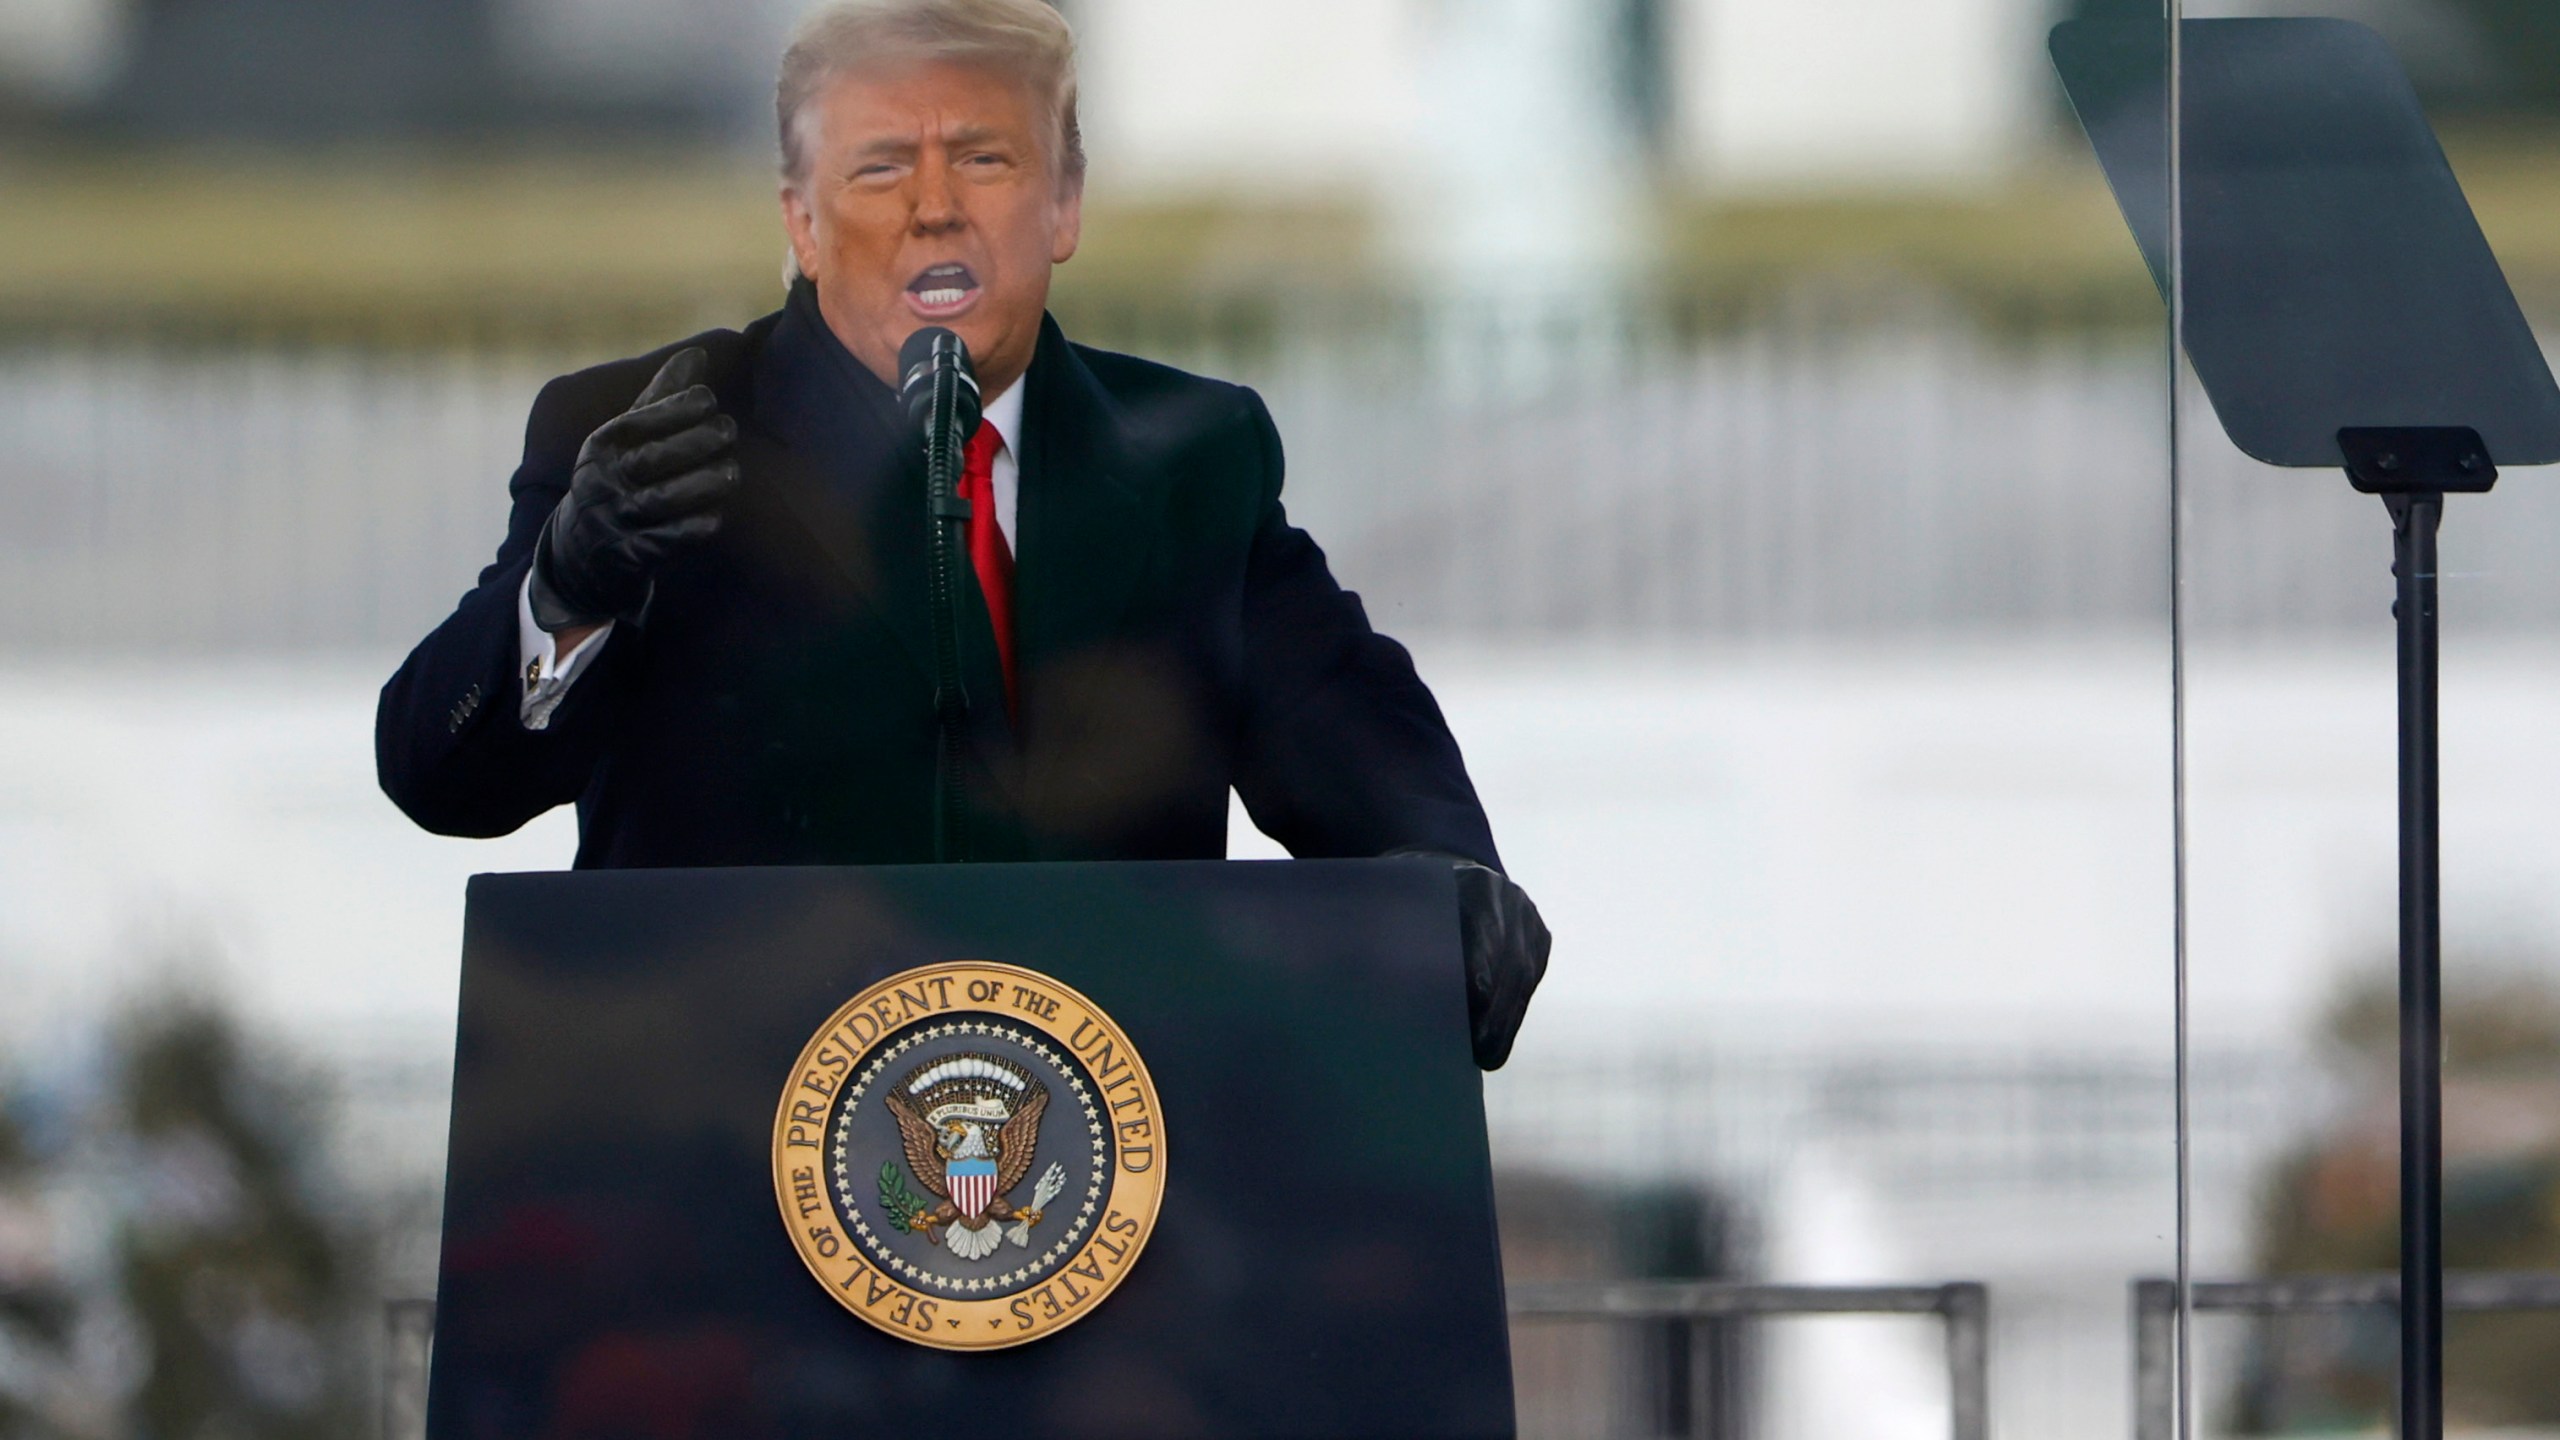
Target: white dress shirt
x=548, y=674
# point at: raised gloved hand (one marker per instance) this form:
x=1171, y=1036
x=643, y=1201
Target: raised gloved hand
x=1504, y=943
x=647, y=483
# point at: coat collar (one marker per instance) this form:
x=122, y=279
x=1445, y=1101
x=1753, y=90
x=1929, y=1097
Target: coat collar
x=1088, y=533
x=836, y=442
x=828, y=439
x=839, y=455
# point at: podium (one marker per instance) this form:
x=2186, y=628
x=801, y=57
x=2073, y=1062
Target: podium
x=1099, y=1150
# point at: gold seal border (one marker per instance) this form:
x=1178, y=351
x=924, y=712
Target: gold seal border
x=803, y=1159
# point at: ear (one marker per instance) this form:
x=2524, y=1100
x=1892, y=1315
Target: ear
x=1069, y=229
x=802, y=224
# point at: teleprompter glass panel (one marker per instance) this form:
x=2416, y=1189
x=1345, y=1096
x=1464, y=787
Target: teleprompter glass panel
x=2385, y=158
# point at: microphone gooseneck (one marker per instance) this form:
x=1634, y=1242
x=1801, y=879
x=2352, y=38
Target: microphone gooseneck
x=940, y=393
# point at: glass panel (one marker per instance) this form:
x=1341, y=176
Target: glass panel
x=2395, y=315
x=1753, y=416
x=1805, y=618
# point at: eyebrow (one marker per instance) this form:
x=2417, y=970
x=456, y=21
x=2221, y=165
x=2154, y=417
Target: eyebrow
x=896, y=147
x=887, y=148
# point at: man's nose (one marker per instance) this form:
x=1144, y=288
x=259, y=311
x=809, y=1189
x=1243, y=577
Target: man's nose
x=937, y=200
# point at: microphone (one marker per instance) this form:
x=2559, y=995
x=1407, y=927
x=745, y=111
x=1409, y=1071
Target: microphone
x=938, y=386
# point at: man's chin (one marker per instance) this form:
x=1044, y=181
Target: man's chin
x=977, y=324
x=992, y=344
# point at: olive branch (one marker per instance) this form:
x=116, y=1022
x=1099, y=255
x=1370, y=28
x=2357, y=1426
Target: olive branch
x=900, y=1204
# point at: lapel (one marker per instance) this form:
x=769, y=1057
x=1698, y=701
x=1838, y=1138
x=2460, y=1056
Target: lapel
x=835, y=448
x=828, y=439
x=1088, y=534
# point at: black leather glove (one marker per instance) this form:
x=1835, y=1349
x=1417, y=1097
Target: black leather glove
x=648, y=483
x=1504, y=943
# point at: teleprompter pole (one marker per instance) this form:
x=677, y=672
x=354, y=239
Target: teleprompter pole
x=2415, y=519
x=2413, y=470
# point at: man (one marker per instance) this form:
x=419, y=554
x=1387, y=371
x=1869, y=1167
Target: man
x=708, y=624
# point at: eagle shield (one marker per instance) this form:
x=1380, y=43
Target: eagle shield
x=970, y=1125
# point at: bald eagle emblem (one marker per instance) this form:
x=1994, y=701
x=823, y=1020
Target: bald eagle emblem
x=970, y=1126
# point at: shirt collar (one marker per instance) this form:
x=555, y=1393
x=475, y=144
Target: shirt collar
x=1005, y=413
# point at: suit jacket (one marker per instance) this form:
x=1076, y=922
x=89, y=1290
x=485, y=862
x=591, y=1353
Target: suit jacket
x=773, y=703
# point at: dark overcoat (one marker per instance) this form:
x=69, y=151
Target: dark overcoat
x=773, y=705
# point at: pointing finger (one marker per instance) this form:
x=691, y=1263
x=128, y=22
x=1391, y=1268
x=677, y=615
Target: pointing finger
x=684, y=369
x=660, y=417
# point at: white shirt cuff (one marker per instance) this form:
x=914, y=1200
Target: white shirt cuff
x=547, y=674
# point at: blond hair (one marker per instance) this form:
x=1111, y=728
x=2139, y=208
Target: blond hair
x=1026, y=37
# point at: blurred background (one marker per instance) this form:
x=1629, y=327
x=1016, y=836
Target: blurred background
x=1753, y=414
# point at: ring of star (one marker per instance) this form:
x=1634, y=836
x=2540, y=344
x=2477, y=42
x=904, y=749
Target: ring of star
x=847, y=1191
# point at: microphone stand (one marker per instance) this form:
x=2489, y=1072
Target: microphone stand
x=946, y=512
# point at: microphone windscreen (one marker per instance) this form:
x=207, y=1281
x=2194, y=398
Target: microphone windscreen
x=934, y=370
x=915, y=358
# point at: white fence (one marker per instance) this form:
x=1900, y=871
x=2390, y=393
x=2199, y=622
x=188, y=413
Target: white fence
x=1804, y=470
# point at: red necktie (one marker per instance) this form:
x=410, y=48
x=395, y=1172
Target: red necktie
x=987, y=548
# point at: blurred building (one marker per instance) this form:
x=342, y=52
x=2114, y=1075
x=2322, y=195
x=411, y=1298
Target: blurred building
x=1378, y=95
x=1278, y=99
x=280, y=71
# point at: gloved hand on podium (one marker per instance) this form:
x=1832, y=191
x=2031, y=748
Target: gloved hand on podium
x=1504, y=943
x=647, y=483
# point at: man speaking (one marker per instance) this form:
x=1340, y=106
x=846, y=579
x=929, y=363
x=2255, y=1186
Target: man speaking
x=709, y=623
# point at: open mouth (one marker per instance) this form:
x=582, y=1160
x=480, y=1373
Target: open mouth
x=942, y=291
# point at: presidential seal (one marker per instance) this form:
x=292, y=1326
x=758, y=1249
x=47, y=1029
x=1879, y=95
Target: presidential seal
x=969, y=1156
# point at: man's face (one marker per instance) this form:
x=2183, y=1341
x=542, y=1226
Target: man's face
x=932, y=197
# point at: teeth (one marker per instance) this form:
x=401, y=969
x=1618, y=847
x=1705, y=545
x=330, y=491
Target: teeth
x=941, y=297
